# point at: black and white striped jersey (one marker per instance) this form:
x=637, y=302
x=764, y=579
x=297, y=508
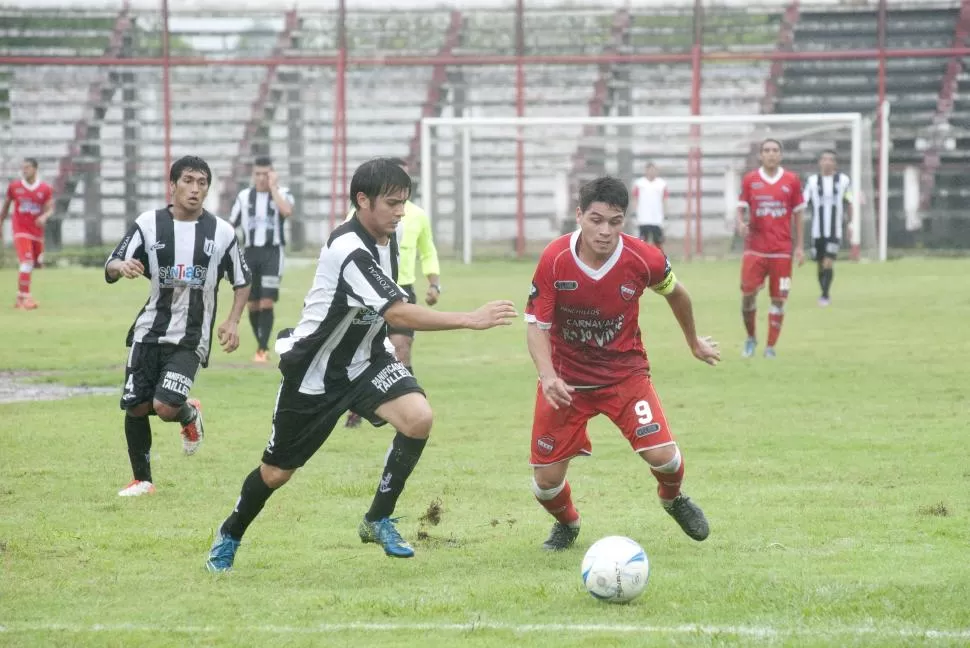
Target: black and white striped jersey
x=184, y=261
x=342, y=331
x=257, y=215
x=825, y=198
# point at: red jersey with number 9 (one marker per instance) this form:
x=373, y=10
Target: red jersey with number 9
x=28, y=204
x=771, y=203
x=593, y=314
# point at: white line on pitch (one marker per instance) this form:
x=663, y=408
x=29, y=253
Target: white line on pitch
x=763, y=632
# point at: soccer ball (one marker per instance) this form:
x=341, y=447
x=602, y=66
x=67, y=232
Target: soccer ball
x=615, y=569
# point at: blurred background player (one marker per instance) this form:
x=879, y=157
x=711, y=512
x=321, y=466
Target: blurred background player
x=771, y=199
x=414, y=239
x=828, y=198
x=650, y=205
x=33, y=204
x=584, y=338
x=259, y=211
x=190, y=251
x=352, y=300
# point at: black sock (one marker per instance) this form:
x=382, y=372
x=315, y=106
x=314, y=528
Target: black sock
x=401, y=460
x=186, y=414
x=254, y=321
x=821, y=278
x=827, y=276
x=138, y=432
x=253, y=497
x=265, y=328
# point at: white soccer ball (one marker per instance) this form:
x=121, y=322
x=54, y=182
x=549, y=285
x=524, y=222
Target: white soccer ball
x=615, y=569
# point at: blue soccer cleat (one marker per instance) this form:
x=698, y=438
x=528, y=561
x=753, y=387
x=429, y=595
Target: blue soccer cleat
x=770, y=352
x=222, y=554
x=749, y=346
x=384, y=533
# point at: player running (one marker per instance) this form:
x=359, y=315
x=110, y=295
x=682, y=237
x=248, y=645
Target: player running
x=33, y=203
x=771, y=198
x=584, y=338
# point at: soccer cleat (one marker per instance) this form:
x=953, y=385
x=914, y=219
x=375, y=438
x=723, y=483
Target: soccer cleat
x=689, y=516
x=749, y=346
x=136, y=488
x=823, y=301
x=261, y=357
x=770, y=352
x=561, y=537
x=353, y=420
x=222, y=554
x=26, y=303
x=193, y=434
x=383, y=532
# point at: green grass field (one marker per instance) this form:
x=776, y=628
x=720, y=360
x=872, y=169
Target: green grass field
x=836, y=480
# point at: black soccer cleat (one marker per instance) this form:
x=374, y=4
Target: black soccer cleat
x=561, y=537
x=689, y=516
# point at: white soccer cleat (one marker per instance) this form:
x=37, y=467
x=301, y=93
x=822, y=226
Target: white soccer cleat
x=193, y=434
x=136, y=488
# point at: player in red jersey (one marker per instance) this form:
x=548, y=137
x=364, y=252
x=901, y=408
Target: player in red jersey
x=584, y=338
x=771, y=198
x=33, y=203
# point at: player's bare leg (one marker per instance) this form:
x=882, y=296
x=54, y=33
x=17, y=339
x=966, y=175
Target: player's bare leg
x=776, y=315
x=402, y=351
x=189, y=415
x=667, y=466
x=554, y=494
x=749, y=313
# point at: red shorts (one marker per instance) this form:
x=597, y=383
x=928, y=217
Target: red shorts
x=29, y=249
x=754, y=269
x=633, y=405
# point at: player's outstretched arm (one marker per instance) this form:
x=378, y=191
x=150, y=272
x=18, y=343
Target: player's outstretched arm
x=554, y=389
x=401, y=314
x=704, y=348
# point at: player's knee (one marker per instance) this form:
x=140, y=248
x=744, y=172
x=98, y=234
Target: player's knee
x=27, y=266
x=275, y=477
x=254, y=306
x=777, y=307
x=165, y=411
x=402, y=349
x=547, y=487
x=265, y=304
x=139, y=411
x=749, y=302
x=828, y=262
x=665, y=459
x=418, y=421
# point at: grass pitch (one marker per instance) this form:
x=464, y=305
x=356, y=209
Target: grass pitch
x=836, y=480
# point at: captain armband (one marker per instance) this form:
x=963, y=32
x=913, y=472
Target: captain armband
x=666, y=286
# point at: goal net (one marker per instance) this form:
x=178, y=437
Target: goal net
x=498, y=187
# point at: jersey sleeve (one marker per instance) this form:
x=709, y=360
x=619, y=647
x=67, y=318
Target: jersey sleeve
x=235, y=216
x=541, y=305
x=426, y=249
x=661, y=278
x=233, y=266
x=289, y=196
x=131, y=247
x=10, y=191
x=367, y=284
x=744, y=199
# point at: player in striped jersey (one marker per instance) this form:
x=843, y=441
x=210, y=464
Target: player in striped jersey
x=184, y=251
x=828, y=197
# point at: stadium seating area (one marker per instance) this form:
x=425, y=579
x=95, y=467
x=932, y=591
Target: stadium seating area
x=98, y=131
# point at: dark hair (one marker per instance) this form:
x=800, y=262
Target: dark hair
x=605, y=190
x=651, y=164
x=31, y=161
x=263, y=161
x=378, y=177
x=399, y=161
x=189, y=163
x=770, y=139
x=828, y=152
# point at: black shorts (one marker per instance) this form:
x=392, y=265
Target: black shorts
x=652, y=233
x=266, y=265
x=163, y=372
x=303, y=422
x=825, y=248
x=412, y=299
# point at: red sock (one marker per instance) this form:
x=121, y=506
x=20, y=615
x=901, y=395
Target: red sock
x=561, y=506
x=775, y=317
x=23, y=283
x=668, y=483
x=749, y=319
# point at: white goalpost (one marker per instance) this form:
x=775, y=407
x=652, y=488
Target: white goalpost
x=483, y=202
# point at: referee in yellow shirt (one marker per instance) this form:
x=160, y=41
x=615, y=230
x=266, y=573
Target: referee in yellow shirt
x=414, y=239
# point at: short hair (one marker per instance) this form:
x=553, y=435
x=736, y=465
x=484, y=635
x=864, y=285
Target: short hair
x=31, y=161
x=769, y=140
x=651, y=164
x=263, y=161
x=189, y=163
x=605, y=189
x=399, y=161
x=828, y=152
x=378, y=177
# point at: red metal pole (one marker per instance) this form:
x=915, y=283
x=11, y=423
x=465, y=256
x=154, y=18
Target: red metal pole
x=519, y=143
x=881, y=42
x=338, y=113
x=695, y=109
x=166, y=101
x=342, y=71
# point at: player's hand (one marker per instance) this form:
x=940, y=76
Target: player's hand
x=42, y=220
x=431, y=297
x=131, y=269
x=229, y=336
x=706, y=350
x=496, y=313
x=742, y=229
x=556, y=392
x=800, y=256
x=274, y=179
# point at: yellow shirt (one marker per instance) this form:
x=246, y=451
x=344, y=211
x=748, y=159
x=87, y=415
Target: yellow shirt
x=415, y=240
